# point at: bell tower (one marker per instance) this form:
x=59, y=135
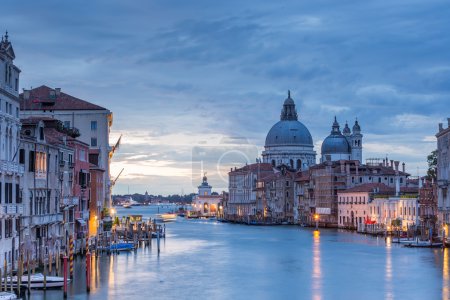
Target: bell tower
x=356, y=142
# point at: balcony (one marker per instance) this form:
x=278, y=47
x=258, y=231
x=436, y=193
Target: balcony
x=70, y=201
x=9, y=89
x=71, y=164
x=11, y=167
x=46, y=219
x=11, y=209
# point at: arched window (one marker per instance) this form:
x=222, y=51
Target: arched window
x=299, y=164
x=273, y=162
x=291, y=162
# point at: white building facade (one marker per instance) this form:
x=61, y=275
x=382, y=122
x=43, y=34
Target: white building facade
x=11, y=171
x=204, y=203
x=443, y=176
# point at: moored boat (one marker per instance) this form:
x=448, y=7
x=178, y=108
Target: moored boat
x=37, y=282
x=121, y=247
x=7, y=296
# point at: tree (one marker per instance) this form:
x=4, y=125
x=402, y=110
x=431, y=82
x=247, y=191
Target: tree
x=432, y=165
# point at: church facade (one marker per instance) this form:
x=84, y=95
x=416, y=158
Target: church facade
x=289, y=142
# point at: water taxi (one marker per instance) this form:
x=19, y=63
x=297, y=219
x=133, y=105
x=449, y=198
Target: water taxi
x=167, y=217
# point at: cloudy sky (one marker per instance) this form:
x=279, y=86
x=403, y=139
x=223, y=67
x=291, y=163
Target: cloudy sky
x=205, y=80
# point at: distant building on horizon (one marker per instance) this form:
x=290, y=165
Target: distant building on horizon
x=204, y=203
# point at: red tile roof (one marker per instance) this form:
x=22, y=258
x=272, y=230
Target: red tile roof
x=40, y=99
x=255, y=167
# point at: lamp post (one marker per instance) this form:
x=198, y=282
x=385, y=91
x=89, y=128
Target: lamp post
x=316, y=218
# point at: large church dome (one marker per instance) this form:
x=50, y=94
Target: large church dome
x=289, y=132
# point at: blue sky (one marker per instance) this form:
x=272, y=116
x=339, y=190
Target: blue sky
x=185, y=75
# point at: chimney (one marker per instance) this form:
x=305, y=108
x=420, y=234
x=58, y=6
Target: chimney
x=397, y=179
x=403, y=167
x=57, y=92
x=440, y=127
x=26, y=94
x=392, y=164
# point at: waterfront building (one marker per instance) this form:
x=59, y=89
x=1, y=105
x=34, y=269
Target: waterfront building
x=241, y=205
x=11, y=171
x=276, y=202
x=377, y=204
x=92, y=121
x=81, y=189
x=342, y=146
x=443, y=176
x=48, y=218
x=317, y=188
x=289, y=142
x=205, y=204
x=353, y=204
x=97, y=193
x=402, y=208
x=428, y=206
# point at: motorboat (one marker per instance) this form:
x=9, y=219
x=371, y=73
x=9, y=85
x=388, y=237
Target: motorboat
x=37, y=281
x=127, y=205
x=121, y=247
x=166, y=217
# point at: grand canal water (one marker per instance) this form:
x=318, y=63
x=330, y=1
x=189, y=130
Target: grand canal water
x=209, y=260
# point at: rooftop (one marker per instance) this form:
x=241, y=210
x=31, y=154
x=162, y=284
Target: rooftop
x=46, y=98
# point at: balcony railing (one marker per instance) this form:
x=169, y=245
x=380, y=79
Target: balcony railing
x=46, y=219
x=11, y=209
x=11, y=167
x=70, y=201
x=9, y=89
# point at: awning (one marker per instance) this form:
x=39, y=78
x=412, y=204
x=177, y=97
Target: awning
x=82, y=222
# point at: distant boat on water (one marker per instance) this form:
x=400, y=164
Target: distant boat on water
x=130, y=202
x=167, y=217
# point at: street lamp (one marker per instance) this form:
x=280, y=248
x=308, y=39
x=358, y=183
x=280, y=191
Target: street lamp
x=316, y=218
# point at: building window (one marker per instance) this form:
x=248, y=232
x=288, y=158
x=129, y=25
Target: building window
x=22, y=156
x=41, y=133
x=17, y=84
x=67, y=124
x=93, y=125
x=94, y=142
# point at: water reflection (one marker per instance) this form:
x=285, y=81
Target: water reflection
x=388, y=270
x=445, y=276
x=317, y=270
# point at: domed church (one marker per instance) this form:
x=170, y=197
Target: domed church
x=342, y=146
x=289, y=142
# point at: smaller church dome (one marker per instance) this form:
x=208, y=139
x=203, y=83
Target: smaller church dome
x=335, y=143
